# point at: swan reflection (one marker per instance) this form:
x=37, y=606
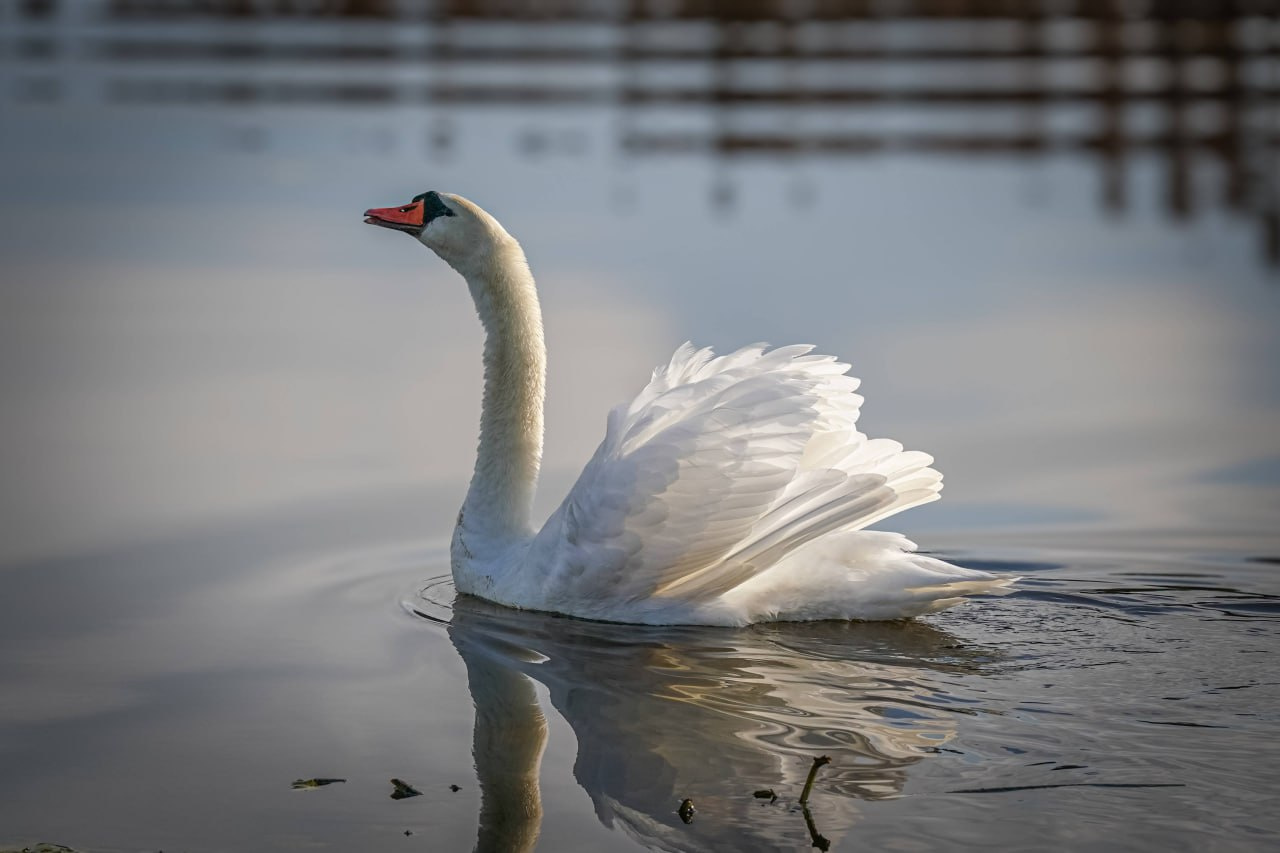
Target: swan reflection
x=661, y=714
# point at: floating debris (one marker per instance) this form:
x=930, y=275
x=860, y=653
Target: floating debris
x=408, y=832
x=686, y=811
x=455, y=788
x=403, y=790
x=813, y=772
x=314, y=783
x=42, y=847
x=765, y=794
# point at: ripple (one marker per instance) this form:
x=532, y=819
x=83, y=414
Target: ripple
x=434, y=600
x=1060, y=685
x=1011, y=788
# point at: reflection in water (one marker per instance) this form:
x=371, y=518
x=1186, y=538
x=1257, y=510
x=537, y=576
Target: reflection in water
x=1110, y=80
x=666, y=714
x=510, y=733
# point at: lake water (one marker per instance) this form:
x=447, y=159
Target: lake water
x=238, y=425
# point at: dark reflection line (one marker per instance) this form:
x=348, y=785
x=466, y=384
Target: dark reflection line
x=588, y=11
x=915, y=143
x=171, y=50
x=429, y=617
x=1005, y=790
x=1078, y=599
x=1170, y=587
x=166, y=89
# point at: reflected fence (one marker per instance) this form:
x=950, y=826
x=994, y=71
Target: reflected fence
x=1192, y=82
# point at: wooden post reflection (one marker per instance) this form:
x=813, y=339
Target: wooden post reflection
x=1207, y=67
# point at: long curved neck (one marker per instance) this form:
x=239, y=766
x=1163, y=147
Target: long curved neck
x=500, y=500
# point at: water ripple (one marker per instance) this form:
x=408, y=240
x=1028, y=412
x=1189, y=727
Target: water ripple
x=1086, y=672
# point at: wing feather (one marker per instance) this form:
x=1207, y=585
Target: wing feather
x=718, y=469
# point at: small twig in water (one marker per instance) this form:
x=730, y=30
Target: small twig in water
x=813, y=772
x=314, y=783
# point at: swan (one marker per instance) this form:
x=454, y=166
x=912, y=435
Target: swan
x=732, y=490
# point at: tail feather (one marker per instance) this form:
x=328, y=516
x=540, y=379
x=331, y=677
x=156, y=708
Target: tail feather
x=859, y=575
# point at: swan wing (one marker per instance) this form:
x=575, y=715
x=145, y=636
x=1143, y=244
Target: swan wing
x=715, y=472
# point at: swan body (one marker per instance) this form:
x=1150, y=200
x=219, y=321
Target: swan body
x=731, y=490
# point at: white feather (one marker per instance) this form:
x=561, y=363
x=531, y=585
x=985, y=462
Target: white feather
x=733, y=490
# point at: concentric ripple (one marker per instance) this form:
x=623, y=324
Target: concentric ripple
x=434, y=600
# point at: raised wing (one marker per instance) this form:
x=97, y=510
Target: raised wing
x=716, y=471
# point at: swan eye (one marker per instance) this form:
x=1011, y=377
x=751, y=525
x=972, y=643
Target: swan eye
x=432, y=206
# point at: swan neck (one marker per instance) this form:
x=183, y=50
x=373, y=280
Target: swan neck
x=500, y=501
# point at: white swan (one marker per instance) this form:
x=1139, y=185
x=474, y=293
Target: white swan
x=732, y=490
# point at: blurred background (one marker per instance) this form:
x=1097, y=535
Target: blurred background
x=1046, y=234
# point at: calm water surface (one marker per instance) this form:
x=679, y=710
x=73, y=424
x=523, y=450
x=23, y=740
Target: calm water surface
x=164, y=696
x=237, y=426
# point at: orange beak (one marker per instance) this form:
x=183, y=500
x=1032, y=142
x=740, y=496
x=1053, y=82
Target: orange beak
x=406, y=217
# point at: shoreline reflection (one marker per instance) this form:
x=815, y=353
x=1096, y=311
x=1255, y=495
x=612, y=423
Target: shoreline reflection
x=661, y=714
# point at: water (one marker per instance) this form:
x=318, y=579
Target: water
x=238, y=425
x=164, y=696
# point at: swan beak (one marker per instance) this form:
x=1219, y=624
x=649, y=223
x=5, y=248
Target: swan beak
x=407, y=217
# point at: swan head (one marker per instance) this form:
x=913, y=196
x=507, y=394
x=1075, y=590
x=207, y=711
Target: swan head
x=457, y=230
